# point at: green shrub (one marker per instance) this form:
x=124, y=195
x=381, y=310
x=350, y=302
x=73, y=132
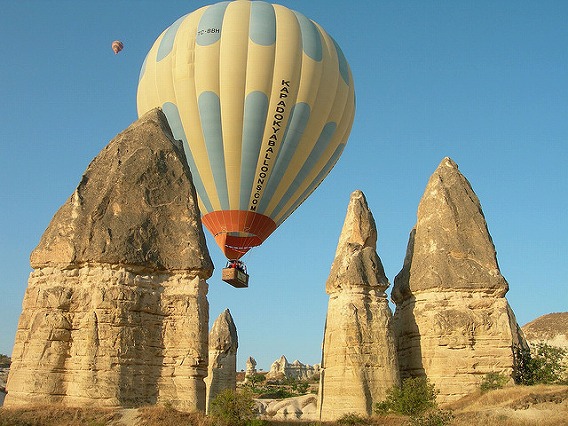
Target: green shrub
x=414, y=397
x=493, y=381
x=352, y=419
x=542, y=365
x=275, y=393
x=5, y=360
x=254, y=379
x=231, y=408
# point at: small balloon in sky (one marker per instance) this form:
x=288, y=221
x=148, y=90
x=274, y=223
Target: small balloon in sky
x=117, y=46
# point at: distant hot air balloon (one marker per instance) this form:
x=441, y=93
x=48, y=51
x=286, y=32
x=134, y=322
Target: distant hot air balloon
x=117, y=46
x=263, y=100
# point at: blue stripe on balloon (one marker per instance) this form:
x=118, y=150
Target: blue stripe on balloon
x=299, y=117
x=143, y=69
x=256, y=110
x=311, y=38
x=167, y=43
x=209, y=28
x=343, y=65
x=262, y=23
x=172, y=114
x=315, y=183
x=318, y=150
x=210, y=115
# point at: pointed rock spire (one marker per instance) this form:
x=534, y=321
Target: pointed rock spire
x=134, y=197
x=356, y=261
x=450, y=246
x=359, y=361
x=223, y=344
x=452, y=321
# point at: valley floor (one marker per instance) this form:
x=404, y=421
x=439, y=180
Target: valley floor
x=542, y=405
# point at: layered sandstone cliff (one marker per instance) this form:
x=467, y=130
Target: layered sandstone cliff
x=452, y=320
x=116, y=312
x=359, y=362
x=223, y=345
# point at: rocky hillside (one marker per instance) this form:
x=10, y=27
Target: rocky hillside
x=550, y=328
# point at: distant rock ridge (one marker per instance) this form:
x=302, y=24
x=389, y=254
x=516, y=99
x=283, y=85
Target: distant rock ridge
x=116, y=311
x=452, y=320
x=282, y=369
x=550, y=328
x=359, y=360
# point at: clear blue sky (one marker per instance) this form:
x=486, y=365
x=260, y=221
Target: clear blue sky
x=484, y=82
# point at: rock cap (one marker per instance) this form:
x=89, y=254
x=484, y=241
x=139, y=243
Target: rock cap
x=135, y=206
x=450, y=247
x=223, y=336
x=356, y=262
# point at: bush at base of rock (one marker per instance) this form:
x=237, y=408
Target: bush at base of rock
x=414, y=397
x=230, y=408
x=543, y=365
x=493, y=381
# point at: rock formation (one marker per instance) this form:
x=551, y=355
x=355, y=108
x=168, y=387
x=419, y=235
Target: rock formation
x=282, y=369
x=116, y=311
x=250, y=367
x=359, y=361
x=223, y=344
x=302, y=408
x=452, y=320
x=551, y=329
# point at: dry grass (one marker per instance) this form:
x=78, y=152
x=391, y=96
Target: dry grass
x=165, y=416
x=57, y=416
x=542, y=405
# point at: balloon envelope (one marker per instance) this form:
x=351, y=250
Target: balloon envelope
x=263, y=100
x=117, y=46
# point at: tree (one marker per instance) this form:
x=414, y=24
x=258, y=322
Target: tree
x=542, y=365
x=255, y=379
x=493, y=381
x=5, y=360
x=415, y=397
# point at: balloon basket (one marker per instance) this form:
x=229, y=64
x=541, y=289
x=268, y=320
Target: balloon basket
x=235, y=277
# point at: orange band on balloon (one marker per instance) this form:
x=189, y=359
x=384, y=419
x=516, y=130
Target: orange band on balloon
x=237, y=231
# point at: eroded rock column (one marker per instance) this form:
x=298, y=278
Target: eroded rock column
x=452, y=320
x=359, y=362
x=116, y=312
x=223, y=345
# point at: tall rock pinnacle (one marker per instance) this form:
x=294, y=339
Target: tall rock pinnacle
x=359, y=360
x=116, y=311
x=452, y=320
x=223, y=344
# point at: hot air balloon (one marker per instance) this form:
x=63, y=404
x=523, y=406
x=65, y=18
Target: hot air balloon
x=117, y=46
x=262, y=99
